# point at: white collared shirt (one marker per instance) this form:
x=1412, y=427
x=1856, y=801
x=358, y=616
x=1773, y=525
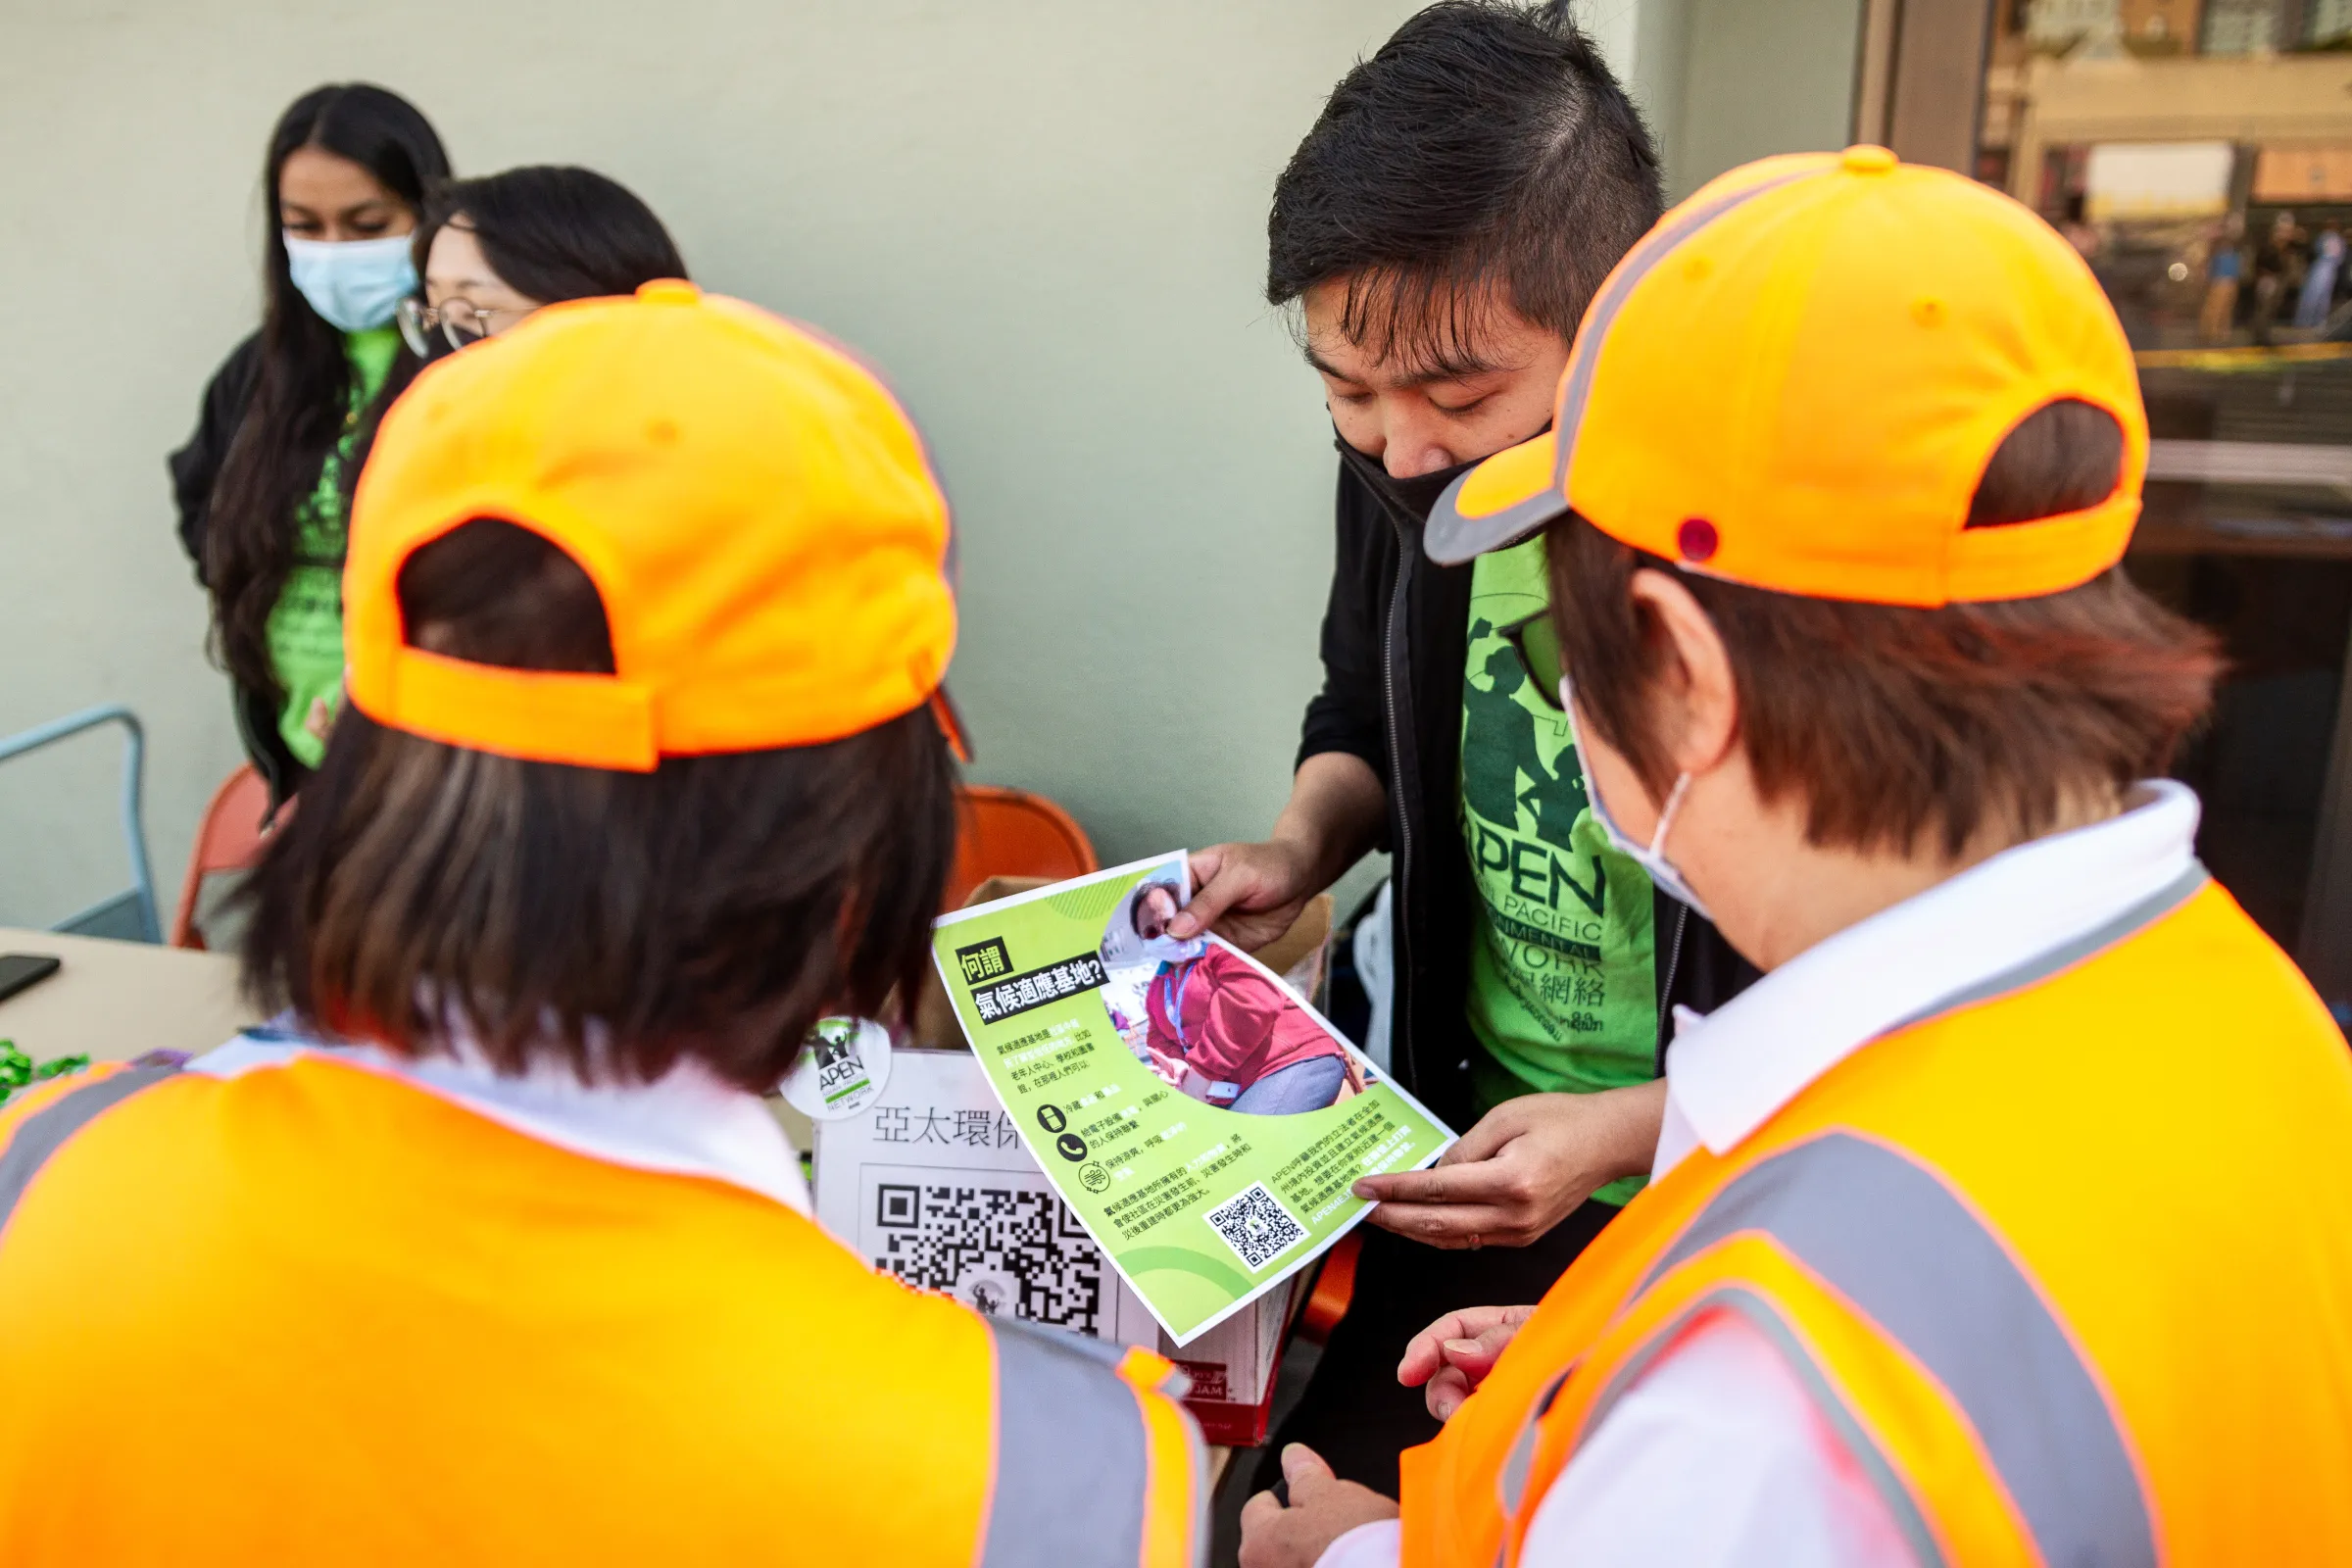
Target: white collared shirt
x=1729, y=1071
x=1716, y=1455
x=688, y=1123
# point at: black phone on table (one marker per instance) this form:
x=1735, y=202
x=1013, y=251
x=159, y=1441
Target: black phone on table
x=21, y=970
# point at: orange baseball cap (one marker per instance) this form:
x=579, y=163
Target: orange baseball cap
x=754, y=507
x=1796, y=379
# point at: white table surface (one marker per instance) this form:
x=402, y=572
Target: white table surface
x=113, y=1001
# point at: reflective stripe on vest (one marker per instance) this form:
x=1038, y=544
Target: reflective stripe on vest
x=2146, y=913
x=1766, y=1317
x=1889, y=1236
x=1053, y=1401
x=48, y=1129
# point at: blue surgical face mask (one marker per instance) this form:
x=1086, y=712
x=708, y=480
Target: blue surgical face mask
x=1650, y=856
x=354, y=284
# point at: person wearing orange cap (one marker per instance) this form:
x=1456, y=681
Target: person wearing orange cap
x=487, y=1252
x=1934, y=1266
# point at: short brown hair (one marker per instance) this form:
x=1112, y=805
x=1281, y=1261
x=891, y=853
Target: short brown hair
x=715, y=908
x=1895, y=722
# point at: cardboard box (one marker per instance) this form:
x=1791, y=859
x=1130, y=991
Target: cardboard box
x=932, y=1185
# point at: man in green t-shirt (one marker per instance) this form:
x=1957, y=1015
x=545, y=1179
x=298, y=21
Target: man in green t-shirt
x=1531, y=966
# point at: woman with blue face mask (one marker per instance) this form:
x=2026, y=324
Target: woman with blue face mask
x=263, y=484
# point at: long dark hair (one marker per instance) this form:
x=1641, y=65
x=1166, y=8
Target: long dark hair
x=553, y=232
x=303, y=387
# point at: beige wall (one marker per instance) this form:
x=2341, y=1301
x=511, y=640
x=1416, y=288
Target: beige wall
x=1648, y=44
x=1722, y=81
x=1046, y=221
x=1043, y=219
x=1776, y=76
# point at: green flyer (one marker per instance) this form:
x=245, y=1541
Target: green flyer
x=1204, y=1123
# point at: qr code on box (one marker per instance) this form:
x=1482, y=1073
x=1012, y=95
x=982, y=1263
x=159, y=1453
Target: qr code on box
x=1256, y=1226
x=1010, y=1249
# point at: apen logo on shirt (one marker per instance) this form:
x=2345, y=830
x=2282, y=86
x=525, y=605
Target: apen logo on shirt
x=1563, y=993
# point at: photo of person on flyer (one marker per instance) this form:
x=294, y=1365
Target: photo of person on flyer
x=1216, y=1026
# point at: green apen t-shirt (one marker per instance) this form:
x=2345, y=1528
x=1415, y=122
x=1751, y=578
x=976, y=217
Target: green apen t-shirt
x=305, y=632
x=1563, y=991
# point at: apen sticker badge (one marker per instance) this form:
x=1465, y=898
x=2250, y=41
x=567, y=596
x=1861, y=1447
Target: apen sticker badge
x=840, y=1070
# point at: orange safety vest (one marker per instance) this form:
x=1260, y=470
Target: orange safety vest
x=315, y=1313
x=2068, y=1262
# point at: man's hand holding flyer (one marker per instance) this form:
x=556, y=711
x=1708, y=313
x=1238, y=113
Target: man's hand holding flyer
x=1201, y=1120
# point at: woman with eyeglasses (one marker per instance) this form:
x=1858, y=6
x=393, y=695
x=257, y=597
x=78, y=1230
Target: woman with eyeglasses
x=263, y=483
x=494, y=250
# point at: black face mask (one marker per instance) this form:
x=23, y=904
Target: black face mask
x=1410, y=500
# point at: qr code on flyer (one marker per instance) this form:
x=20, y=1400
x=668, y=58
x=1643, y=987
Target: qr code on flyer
x=1007, y=1250
x=1256, y=1226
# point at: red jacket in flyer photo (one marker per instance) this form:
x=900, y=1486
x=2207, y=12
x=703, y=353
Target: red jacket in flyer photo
x=1229, y=1024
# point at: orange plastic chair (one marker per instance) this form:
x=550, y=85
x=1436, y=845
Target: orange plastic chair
x=1001, y=832
x=1335, y=1289
x=227, y=839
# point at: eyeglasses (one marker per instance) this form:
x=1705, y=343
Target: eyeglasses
x=1538, y=645
x=459, y=322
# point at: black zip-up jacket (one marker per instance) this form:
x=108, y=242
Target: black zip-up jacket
x=1395, y=637
x=195, y=470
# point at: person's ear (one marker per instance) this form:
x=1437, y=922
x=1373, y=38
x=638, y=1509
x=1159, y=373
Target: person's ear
x=1698, y=702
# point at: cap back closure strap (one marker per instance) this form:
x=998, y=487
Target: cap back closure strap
x=2013, y=559
x=592, y=720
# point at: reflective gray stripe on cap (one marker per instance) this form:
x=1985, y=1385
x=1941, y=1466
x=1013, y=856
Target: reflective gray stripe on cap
x=1660, y=243
x=1887, y=1234
x=1073, y=1461
x=47, y=1130
x=1452, y=537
